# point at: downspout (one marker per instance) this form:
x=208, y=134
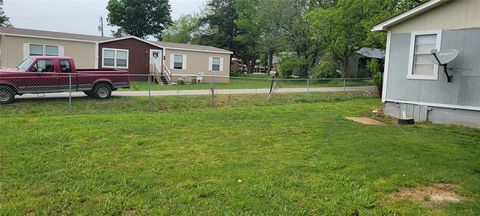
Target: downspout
x=96, y=55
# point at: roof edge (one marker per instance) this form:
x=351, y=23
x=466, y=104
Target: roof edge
x=48, y=38
x=163, y=47
x=408, y=15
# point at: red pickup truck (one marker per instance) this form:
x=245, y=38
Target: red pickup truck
x=49, y=74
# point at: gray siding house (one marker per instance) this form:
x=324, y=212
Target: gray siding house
x=416, y=88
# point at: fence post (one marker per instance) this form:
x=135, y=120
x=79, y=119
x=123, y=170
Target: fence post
x=69, y=92
x=344, y=86
x=149, y=92
x=308, y=88
x=212, y=87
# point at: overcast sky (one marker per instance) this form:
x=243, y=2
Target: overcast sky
x=74, y=16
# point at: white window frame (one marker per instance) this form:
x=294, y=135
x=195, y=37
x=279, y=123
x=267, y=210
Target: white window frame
x=210, y=64
x=27, y=51
x=172, y=61
x=438, y=45
x=115, y=58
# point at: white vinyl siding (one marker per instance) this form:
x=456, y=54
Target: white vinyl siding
x=421, y=61
x=215, y=64
x=114, y=58
x=41, y=50
x=178, y=62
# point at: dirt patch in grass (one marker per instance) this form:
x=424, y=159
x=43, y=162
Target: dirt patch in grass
x=365, y=120
x=430, y=195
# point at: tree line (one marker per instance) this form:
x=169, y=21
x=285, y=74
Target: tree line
x=302, y=32
x=311, y=37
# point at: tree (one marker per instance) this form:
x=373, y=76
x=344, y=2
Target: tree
x=269, y=16
x=141, y=18
x=119, y=33
x=217, y=25
x=4, y=20
x=249, y=31
x=346, y=27
x=217, y=28
x=182, y=30
x=298, y=31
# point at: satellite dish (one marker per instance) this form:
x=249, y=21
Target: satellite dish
x=445, y=56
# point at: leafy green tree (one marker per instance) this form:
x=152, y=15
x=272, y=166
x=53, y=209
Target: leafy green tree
x=141, y=18
x=4, y=20
x=272, y=41
x=373, y=68
x=341, y=30
x=182, y=30
x=298, y=31
x=249, y=31
x=346, y=27
x=217, y=27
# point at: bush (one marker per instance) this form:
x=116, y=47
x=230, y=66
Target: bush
x=297, y=66
x=326, y=69
x=374, y=68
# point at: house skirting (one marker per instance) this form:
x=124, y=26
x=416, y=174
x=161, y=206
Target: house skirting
x=435, y=114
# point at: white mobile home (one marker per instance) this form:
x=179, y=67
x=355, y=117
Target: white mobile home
x=415, y=87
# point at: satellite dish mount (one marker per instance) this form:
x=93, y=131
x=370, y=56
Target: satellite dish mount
x=443, y=58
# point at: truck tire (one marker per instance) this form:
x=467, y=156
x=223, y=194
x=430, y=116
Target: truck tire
x=7, y=95
x=88, y=93
x=102, y=91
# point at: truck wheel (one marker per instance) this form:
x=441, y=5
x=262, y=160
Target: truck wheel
x=102, y=91
x=7, y=95
x=88, y=93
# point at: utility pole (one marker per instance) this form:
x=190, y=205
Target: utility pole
x=100, y=27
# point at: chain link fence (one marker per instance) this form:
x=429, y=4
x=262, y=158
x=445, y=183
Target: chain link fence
x=66, y=93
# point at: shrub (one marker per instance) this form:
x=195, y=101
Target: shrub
x=326, y=69
x=297, y=66
x=374, y=68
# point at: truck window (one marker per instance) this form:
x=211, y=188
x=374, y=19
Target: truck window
x=65, y=66
x=43, y=66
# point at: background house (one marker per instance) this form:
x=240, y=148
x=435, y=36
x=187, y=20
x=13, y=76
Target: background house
x=132, y=53
x=413, y=85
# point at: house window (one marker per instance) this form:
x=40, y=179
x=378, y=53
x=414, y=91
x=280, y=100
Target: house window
x=51, y=50
x=178, y=62
x=43, y=50
x=115, y=58
x=421, y=62
x=216, y=64
x=36, y=50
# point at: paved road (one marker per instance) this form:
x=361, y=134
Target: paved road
x=205, y=92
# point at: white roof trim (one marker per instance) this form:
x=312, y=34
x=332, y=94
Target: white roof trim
x=131, y=37
x=163, y=47
x=196, y=50
x=407, y=15
x=50, y=38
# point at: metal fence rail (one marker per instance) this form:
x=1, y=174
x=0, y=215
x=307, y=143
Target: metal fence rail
x=208, y=87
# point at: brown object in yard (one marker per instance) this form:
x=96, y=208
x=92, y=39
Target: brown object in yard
x=434, y=194
x=365, y=120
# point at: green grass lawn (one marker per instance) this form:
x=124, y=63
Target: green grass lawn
x=249, y=83
x=294, y=155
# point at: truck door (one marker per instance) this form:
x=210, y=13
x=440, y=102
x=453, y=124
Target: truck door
x=45, y=78
x=64, y=73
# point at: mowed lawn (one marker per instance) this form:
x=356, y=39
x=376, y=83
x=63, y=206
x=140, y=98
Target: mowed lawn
x=251, y=83
x=290, y=157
